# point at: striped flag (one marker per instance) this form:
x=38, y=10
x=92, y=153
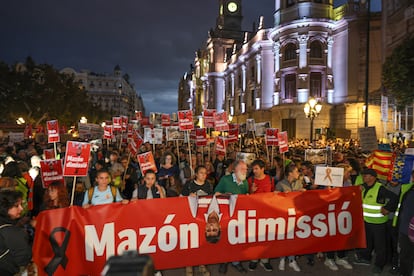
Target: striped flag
x=382, y=162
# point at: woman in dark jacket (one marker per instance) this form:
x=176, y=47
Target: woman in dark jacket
x=15, y=250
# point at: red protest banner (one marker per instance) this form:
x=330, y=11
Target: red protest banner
x=116, y=124
x=77, y=241
x=185, y=120
x=51, y=171
x=53, y=134
x=76, y=159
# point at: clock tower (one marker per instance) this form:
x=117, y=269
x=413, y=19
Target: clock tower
x=230, y=17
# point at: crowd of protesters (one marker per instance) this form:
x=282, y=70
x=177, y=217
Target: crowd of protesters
x=114, y=176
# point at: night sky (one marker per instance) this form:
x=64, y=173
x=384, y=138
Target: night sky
x=153, y=41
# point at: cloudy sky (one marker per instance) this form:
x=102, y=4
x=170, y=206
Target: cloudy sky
x=153, y=41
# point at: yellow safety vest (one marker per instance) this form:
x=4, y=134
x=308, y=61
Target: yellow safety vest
x=372, y=209
x=404, y=188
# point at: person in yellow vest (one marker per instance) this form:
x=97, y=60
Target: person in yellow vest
x=377, y=203
x=405, y=229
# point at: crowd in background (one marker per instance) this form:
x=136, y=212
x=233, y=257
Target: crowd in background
x=182, y=172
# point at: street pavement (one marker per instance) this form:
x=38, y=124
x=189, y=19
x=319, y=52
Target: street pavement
x=317, y=269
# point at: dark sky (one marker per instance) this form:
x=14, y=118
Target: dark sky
x=153, y=40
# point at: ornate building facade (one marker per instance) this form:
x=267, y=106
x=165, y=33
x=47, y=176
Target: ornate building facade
x=313, y=50
x=110, y=92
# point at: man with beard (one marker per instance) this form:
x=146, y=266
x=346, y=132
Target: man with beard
x=234, y=183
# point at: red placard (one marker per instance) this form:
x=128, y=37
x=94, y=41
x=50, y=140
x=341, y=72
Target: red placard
x=208, y=117
x=282, y=138
x=116, y=124
x=201, y=137
x=271, y=137
x=76, y=158
x=264, y=225
x=53, y=135
x=220, y=120
x=233, y=135
x=49, y=153
x=138, y=115
x=146, y=162
x=51, y=171
x=185, y=120
x=108, y=132
x=220, y=145
x=165, y=120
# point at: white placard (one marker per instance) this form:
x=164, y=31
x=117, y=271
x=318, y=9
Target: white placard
x=329, y=176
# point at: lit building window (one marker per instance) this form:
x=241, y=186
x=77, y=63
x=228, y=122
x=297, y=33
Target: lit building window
x=316, y=84
x=316, y=49
x=290, y=86
x=290, y=52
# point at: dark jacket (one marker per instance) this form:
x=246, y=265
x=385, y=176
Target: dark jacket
x=15, y=249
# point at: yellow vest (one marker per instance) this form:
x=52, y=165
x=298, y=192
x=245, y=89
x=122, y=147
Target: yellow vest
x=371, y=209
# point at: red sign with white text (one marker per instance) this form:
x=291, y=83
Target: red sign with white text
x=146, y=162
x=165, y=120
x=76, y=159
x=201, y=137
x=271, y=137
x=185, y=120
x=77, y=241
x=51, y=171
x=220, y=121
x=283, y=141
x=53, y=134
x=208, y=116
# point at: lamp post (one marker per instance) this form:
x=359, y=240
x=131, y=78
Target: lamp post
x=312, y=109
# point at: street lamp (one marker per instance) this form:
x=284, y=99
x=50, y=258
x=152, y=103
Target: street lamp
x=312, y=109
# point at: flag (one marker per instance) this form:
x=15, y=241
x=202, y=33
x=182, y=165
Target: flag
x=382, y=162
x=403, y=166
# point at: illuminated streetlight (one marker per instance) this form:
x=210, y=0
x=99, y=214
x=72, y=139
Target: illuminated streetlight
x=20, y=121
x=312, y=109
x=83, y=120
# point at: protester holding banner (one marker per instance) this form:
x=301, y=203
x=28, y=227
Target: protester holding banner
x=341, y=259
x=199, y=185
x=260, y=182
x=103, y=193
x=377, y=203
x=16, y=252
x=150, y=189
x=234, y=183
x=406, y=232
x=289, y=184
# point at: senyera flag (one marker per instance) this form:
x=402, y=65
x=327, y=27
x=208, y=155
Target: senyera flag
x=53, y=134
x=78, y=241
x=76, y=158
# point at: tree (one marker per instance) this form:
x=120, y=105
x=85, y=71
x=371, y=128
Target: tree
x=38, y=92
x=398, y=74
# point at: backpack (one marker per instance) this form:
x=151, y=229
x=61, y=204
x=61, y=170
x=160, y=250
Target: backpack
x=411, y=230
x=91, y=189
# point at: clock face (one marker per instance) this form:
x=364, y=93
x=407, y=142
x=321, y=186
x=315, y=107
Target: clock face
x=232, y=7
